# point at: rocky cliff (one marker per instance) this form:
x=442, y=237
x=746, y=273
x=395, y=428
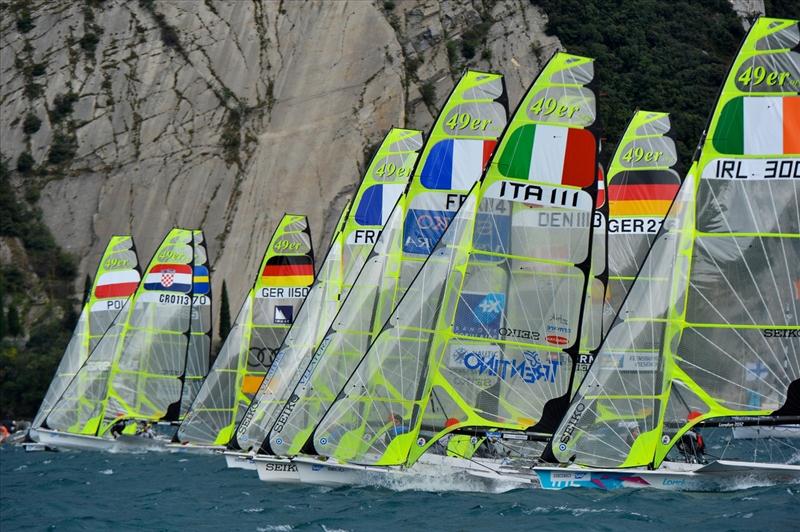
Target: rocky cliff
x=137, y=116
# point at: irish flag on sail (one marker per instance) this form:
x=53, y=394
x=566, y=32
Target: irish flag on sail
x=758, y=125
x=456, y=163
x=560, y=155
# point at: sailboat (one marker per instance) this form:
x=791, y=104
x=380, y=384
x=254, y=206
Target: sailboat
x=284, y=276
x=384, y=180
x=487, y=335
x=115, y=280
x=136, y=373
x=455, y=155
x=709, y=334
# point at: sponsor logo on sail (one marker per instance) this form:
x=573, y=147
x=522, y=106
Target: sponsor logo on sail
x=529, y=369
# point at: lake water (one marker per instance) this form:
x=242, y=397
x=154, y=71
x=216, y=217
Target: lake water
x=159, y=491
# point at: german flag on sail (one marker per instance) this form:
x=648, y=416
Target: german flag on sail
x=288, y=270
x=642, y=193
x=456, y=164
x=759, y=125
x=550, y=154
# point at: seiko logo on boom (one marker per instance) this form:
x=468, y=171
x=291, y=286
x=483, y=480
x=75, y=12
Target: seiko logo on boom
x=572, y=423
x=781, y=333
x=526, y=193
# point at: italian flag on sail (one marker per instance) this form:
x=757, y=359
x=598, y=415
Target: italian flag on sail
x=759, y=125
x=550, y=154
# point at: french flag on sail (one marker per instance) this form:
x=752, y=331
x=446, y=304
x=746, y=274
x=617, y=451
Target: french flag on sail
x=169, y=278
x=377, y=203
x=456, y=164
x=121, y=283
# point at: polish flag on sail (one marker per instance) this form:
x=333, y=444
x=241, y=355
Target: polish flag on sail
x=121, y=283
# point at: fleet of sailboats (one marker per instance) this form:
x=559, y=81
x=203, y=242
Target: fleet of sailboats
x=493, y=308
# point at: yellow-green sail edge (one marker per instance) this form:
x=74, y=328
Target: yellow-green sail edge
x=260, y=326
x=373, y=202
x=723, y=346
x=454, y=157
x=115, y=280
x=414, y=387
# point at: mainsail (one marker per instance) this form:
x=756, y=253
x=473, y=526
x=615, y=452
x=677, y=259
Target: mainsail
x=199, y=353
x=459, y=146
x=641, y=186
x=135, y=371
x=116, y=279
x=281, y=285
x=487, y=334
x=710, y=326
x=383, y=183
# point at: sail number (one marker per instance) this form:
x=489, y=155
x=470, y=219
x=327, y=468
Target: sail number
x=638, y=154
x=759, y=75
x=549, y=106
x=390, y=169
x=465, y=120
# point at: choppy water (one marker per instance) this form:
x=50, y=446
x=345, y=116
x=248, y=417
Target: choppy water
x=94, y=491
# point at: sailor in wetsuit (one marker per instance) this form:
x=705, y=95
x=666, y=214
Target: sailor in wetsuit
x=691, y=444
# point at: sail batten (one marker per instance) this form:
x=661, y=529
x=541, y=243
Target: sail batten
x=384, y=180
x=284, y=275
x=486, y=333
x=710, y=326
x=458, y=148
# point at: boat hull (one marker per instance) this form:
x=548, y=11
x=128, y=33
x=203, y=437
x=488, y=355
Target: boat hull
x=194, y=449
x=721, y=475
x=81, y=442
x=239, y=461
x=432, y=472
x=275, y=469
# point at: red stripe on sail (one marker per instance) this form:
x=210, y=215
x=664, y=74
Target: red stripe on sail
x=642, y=192
x=115, y=290
x=579, y=159
x=488, y=150
x=287, y=269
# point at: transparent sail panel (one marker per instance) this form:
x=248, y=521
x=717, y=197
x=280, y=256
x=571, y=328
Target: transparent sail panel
x=199, y=350
x=117, y=277
x=282, y=282
x=459, y=147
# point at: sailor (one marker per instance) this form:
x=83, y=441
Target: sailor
x=118, y=427
x=398, y=427
x=691, y=444
x=147, y=431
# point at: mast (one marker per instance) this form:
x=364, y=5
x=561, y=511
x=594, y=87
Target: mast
x=116, y=278
x=467, y=344
x=285, y=273
x=384, y=181
x=710, y=328
x=455, y=155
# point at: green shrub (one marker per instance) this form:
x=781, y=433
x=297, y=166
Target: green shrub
x=25, y=163
x=428, y=92
x=63, y=148
x=31, y=124
x=25, y=21
x=62, y=106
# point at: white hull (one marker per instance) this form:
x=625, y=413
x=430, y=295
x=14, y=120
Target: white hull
x=721, y=475
x=194, y=449
x=275, y=469
x=431, y=473
x=35, y=446
x=80, y=442
x=239, y=461
x=757, y=433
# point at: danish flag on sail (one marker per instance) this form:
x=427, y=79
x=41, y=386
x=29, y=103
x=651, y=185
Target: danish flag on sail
x=169, y=278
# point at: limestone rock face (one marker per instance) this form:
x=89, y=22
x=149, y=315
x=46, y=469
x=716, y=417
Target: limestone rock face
x=225, y=115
